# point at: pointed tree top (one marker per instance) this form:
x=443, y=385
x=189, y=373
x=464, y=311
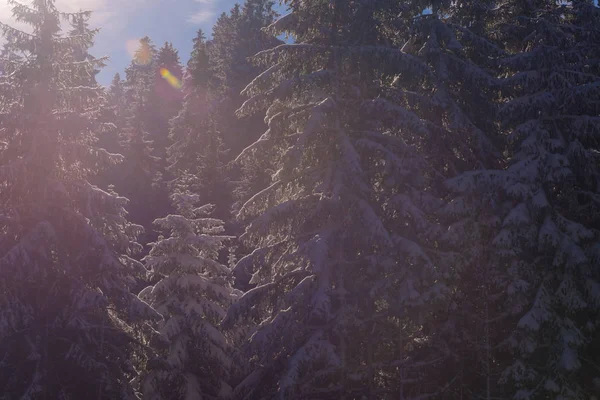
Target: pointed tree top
x=144, y=54
x=200, y=37
x=168, y=55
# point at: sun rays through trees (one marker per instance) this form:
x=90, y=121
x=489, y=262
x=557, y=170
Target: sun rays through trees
x=359, y=200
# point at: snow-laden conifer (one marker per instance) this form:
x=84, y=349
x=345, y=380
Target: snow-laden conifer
x=345, y=270
x=67, y=313
x=166, y=99
x=193, y=294
x=237, y=36
x=542, y=248
x=141, y=174
x=461, y=105
x=553, y=87
x=197, y=158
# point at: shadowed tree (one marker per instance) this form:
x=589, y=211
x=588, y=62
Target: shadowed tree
x=346, y=272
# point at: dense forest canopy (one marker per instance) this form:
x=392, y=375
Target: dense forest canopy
x=401, y=200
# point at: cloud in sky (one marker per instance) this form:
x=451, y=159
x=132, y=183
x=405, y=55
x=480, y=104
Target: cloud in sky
x=206, y=13
x=201, y=16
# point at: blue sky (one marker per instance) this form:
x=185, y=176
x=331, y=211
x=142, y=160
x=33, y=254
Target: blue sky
x=174, y=21
x=122, y=22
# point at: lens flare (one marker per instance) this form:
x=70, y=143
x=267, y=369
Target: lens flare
x=169, y=77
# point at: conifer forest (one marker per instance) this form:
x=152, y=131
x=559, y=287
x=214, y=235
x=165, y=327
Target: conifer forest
x=349, y=200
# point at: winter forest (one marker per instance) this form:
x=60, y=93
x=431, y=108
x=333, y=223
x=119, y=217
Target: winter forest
x=354, y=200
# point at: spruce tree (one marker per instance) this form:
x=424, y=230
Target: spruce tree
x=116, y=104
x=192, y=290
x=192, y=294
x=461, y=106
x=552, y=208
x=79, y=27
x=110, y=138
x=539, y=248
x=236, y=37
x=189, y=123
x=343, y=236
x=198, y=64
x=141, y=179
x=197, y=157
x=65, y=245
x=167, y=98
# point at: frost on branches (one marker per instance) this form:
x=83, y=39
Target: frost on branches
x=553, y=89
x=545, y=205
x=192, y=294
x=333, y=263
x=65, y=245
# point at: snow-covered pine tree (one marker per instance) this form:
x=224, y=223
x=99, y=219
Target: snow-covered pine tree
x=198, y=64
x=116, y=112
x=197, y=157
x=550, y=227
x=193, y=294
x=189, y=124
x=486, y=294
x=167, y=98
x=236, y=37
x=345, y=266
x=139, y=87
x=79, y=27
x=461, y=109
x=141, y=177
x=543, y=252
x=113, y=117
x=9, y=56
x=440, y=121
x=65, y=245
x=461, y=85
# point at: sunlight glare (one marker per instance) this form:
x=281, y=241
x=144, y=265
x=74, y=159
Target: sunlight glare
x=169, y=77
x=131, y=45
x=139, y=53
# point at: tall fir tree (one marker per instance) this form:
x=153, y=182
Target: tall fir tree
x=79, y=27
x=193, y=294
x=540, y=251
x=167, y=97
x=236, y=37
x=142, y=177
x=551, y=186
x=197, y=156
x=116, y=112
x=192, y=291
x=66, y=246
x=198, y=64
x=451, y=117
x=188, y=124
x=345, y=234
x=461, y=105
